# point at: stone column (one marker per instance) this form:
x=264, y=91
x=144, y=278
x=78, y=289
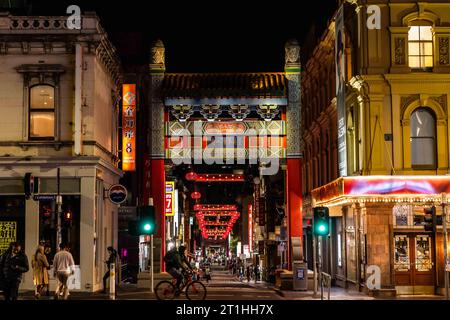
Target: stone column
x=379, y=224
x=88, y=232
x=294, y=147
x=157, y=151
x=31, y=238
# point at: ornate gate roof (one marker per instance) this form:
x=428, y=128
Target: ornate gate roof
x=224, y=85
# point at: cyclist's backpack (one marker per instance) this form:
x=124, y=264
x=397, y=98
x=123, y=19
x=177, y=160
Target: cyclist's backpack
x=170, y=257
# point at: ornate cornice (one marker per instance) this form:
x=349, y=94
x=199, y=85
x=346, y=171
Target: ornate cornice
x=50, y=35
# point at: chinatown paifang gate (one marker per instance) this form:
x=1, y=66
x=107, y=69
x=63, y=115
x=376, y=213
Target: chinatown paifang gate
x=204, y=122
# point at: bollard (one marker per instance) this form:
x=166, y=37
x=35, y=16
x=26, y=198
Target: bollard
x=112, y=281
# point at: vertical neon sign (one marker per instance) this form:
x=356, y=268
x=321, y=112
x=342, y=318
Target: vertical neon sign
x=129, y=127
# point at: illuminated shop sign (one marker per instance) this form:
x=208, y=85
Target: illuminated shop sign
x=384, y=187
x=170, y=198
x=129, y=127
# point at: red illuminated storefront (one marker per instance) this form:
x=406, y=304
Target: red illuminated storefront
x=380, y=220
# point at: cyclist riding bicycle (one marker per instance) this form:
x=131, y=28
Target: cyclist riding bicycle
x=176, y=264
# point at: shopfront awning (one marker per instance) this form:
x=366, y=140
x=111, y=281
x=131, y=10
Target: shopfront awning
x=361, y=189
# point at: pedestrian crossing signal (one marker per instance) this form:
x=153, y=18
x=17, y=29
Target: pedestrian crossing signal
x=321, y=221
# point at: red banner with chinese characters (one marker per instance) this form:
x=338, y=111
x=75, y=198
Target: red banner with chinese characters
x=129, y=127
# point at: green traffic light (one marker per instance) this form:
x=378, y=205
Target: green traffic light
x=147, y=227
x=322, y=228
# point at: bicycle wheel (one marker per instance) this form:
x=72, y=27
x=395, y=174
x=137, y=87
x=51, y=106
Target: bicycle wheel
x=196, y=291
x=165, y=290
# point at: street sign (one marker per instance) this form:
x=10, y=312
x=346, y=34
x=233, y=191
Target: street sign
x=44, y=197
x=117, y=193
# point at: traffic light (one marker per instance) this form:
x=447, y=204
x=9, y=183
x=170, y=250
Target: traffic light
x=430, y=219
x=321, y=221
x=68, y=216
x=309, y=227
x=30, y=185
x=147, y=222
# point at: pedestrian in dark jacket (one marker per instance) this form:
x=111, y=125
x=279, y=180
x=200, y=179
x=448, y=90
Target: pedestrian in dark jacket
x=13, y=264
x=111, y=259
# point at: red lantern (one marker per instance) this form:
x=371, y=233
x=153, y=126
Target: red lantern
x=191, y=176
x=196, y=195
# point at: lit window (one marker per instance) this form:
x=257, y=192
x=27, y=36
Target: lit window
x=42, y=112
x=420, y=46
x=423, y=138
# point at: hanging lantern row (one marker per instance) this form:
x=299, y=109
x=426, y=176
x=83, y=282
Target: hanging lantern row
x=218, y=213
x=214, y=177
x=214, y=207
x=220, y=178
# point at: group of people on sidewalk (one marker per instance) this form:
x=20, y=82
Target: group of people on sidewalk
x=238, y=268
x=14, y=263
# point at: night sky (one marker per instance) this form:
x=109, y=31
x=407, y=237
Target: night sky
x=228, y=36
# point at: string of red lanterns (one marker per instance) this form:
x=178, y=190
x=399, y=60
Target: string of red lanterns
x=216, y=224
x=215, y=207
x=220, y=178
x=214, y=177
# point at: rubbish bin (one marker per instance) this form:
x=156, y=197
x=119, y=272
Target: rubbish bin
x=300, y=274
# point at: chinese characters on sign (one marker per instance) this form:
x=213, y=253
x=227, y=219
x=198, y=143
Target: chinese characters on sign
x=250, y=227
x=129, y=127
x=170, y=204
x=8, y=234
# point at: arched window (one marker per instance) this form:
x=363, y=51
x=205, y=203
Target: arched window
x=42, y=112
x=420, y=45
x=423, y=138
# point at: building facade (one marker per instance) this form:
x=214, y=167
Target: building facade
x=59, y=101
x=395, y=84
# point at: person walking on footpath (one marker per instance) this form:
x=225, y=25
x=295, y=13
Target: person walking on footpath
x=256, y=273
x=13, y=264
x=63, y=267
x=111, y=259
x=40, y=265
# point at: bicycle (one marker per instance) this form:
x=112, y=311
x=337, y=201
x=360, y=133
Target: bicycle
x=194, y=289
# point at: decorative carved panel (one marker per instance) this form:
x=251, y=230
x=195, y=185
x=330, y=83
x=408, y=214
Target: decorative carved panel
x=443, y=51
x=400, y=51
x=405, y=101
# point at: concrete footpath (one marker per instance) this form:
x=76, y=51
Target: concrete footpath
x=338, y=293
x=132, y=292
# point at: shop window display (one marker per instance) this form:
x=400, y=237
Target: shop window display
x=70, y=225
x=12, y=221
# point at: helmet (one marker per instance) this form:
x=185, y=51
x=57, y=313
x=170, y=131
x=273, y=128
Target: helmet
x=181, y=249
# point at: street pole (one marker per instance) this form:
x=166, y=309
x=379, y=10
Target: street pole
x=320, y=268
x=151, y=259
x=315, y=264
x=444, y=226
x=59, y=210
x=112, y=281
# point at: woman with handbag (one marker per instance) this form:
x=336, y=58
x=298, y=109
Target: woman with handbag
x=40, y=267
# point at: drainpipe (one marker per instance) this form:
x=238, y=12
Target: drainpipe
x=77, y=111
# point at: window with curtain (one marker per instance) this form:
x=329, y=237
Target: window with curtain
x=42, y=112
x=420, y=47
x=423, y=138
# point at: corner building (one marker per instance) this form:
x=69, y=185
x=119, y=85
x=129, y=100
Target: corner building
x=392, y=96
x=59, y=98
